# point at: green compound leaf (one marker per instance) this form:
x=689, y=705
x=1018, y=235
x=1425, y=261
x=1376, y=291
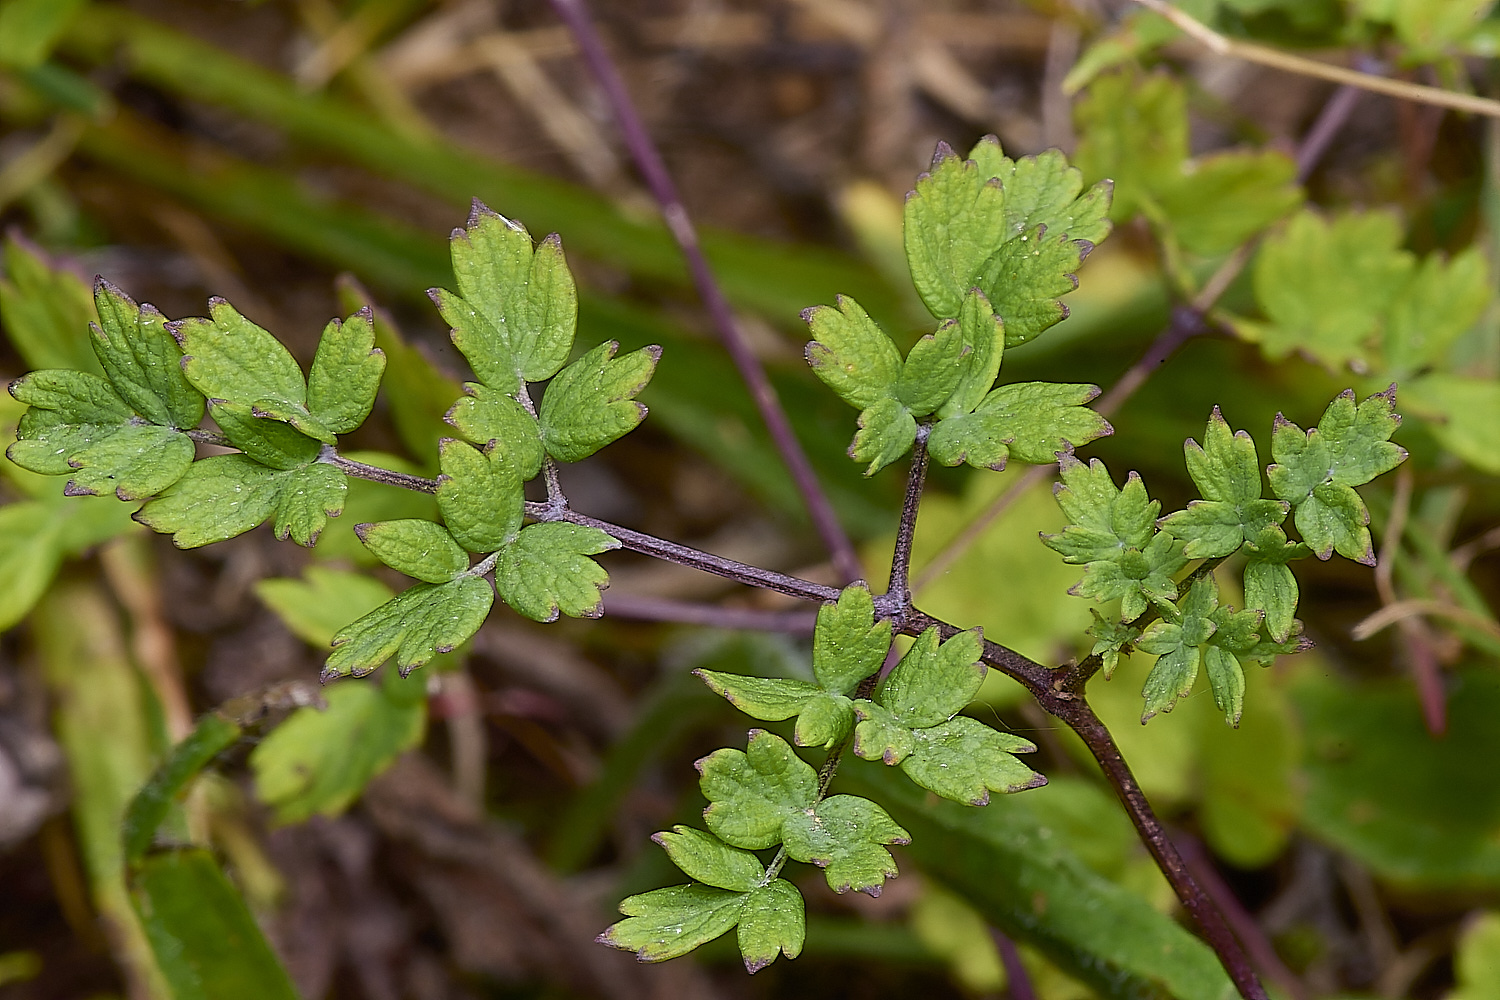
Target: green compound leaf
x=480, y=498
x=887, y=431
x=933, y=369
x=1026, y=277
x=669, y=923
x=954, y=220
x=707, y=859
x=516, y=309
x=485, y=415
x=933, y=682
x=1177, y=647
x=345, y=373
x=1044, y=190
x=1111, y=532
x=415, y=626
x=984, y=336
x=1218, y=202
x=230, y=358
x=1031, y=420
x=547, y=570
x=848, y=646
x=851, y=354
x=846, y=835
x=267, y=441
x=773, y=921
x=77, y=424
x=880, y=735
x=141, y=360
x=964, y=760
x=771, y=917
x=1325, y=287
x=47, y=310
x=318, y=762
x=848, y=643
x=1227, y=472
x=421, y=549
x=592, y=401
x=227, y=495
x=751, y=794
x=1316, y=471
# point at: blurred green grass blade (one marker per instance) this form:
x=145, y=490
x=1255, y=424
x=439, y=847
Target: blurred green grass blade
x=102, y=722
x=777, y=279
x=30, y=28
x=1007, y=864
x=1418, y=811
x=213, y=734
x=203, y=935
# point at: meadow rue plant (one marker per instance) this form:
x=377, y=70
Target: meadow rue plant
x=993, y=244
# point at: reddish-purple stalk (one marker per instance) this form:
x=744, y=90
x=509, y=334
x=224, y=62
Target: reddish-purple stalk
x=1017, y=979
x=653, y=169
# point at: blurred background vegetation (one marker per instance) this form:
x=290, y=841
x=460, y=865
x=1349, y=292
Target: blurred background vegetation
x=260, y=151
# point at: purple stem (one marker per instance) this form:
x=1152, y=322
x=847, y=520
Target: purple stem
x=1017, y=979
x=654, y=171
x=661, y=609
x=899, y=588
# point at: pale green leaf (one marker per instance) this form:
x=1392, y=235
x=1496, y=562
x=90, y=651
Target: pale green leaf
x=415, y=626
x=322, y=602
x=770, y=699
x=851, y=354
x=848, y=643
x=707, y=859
x=752, y=793
x=933, y=369
x=319, y=761
x=846, y=836
x=141, y=360
x=230, y=358
x=547, y=570
x=1026, y=276
x=669, y=923
x=1227, y=680
x=134, y=463
x=772, y=923
x=1036, y=420
x=1271, y=587
x=421, y=549
x=964, y=760
x=30, y=554
x=933, y=682
x=592, y=401
x=480, y=498
x=984, y=336
x=218, y=498
x=46, y=310
x=954, y=221
x=266, y=440
x=887, y=431
x=1440, y=303
x=484, y=415
x=1463, y=412
x=880, y=735
x=345, y=373
x=29, y=29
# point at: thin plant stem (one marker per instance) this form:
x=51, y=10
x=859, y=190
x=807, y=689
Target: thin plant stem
x=664, y=190
x=1017, y=979
x=1187, y=322
x=1276, y=59
x=1415, y=635
x=661, y=609
x=375, y=474
x=899, y=588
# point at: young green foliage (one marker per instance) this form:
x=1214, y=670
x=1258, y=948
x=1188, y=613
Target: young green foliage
x=766, y=796
x=546, y=570
x=1226, y=471
x=848, y=646
x=122, y=433
x=418, y=624
x=731, y=889
x=914, y=722
x=1112, y=532
x=1316, y=471
x=592, y=401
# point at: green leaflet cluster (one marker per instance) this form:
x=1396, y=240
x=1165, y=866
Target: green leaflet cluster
x=514, y=317
x=992, y=243
x=767, y=796
x=1131, y=555
x=131, y=429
